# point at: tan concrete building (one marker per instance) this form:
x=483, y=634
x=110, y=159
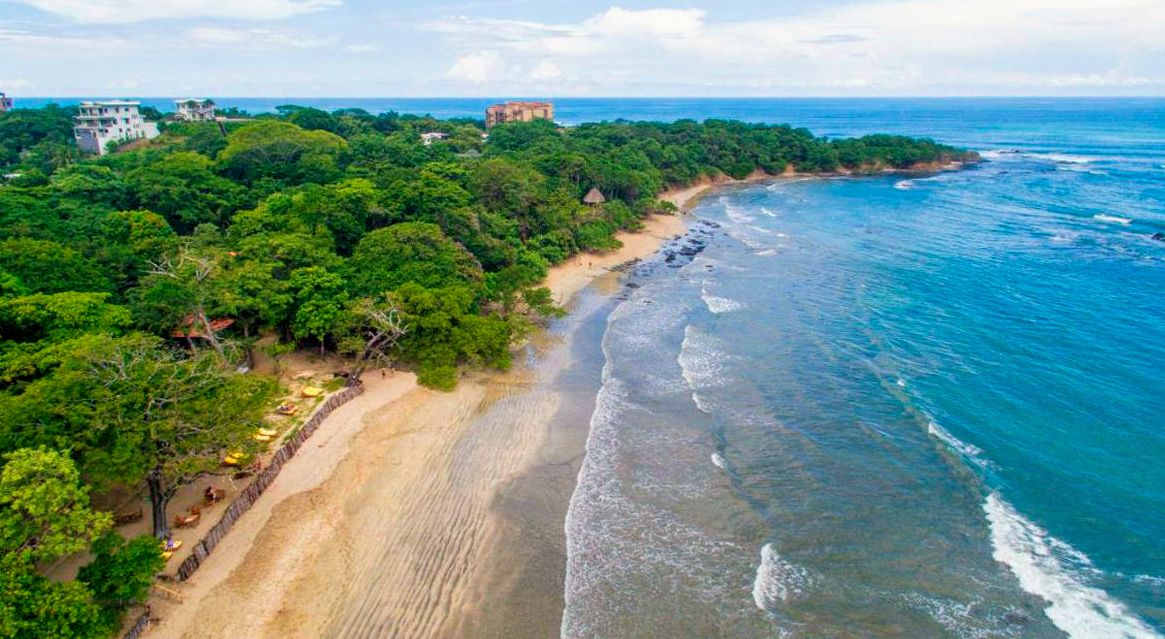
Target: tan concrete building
x=518, y=112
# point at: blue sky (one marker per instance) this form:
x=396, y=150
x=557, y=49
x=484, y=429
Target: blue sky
x=582, y=47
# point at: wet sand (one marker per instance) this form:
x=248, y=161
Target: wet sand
x=409, y=513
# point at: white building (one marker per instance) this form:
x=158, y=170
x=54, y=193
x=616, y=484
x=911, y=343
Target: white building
x=5, y=102
x=194, y=110
x=434, y=136
x=99, y=123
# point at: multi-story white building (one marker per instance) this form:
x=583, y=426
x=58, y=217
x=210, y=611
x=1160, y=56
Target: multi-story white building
x=5, y=102
x=99, y=123
x=194, y=110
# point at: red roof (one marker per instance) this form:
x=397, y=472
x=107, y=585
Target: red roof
x=188, y=330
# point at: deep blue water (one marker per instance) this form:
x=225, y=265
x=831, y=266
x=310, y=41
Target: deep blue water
x=925, y=407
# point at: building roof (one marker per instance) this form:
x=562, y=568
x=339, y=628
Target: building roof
x=110, y=103
x=535, y=105
x=190, y=330
x=594, y=196
x=194, y=100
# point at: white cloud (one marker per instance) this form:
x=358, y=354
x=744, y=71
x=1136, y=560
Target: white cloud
x=125, y=11
x=476, y=68
x=13, y=83
x=66, y=45
x=362, y=48
x=546, y=70
x=659, y=23
x=257, y=38
x=899, y=46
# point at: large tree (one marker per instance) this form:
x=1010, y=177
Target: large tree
x=132, y=410
x=283, y=151
x=414, y=252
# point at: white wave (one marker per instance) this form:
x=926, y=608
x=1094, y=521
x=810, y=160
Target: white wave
x=1063, y=158
x=749, y=241
x=702, y=365
x=759, y=229
x=767, y=252
x=736, y=214
x=956, y=617
x=1043, y=566
x=904, y=185
x=767, y=212
x=1057, y=158
x=1112, y=219
x=969, y=452
x=777, y=581
x=995, y=154
x=718, y=460
x=1150, y=580
x=901, y=383
x=719, y=305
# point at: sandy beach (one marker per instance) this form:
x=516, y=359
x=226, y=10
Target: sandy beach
x=390, y=521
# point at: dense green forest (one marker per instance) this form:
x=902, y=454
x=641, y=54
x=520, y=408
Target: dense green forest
x=334, y=231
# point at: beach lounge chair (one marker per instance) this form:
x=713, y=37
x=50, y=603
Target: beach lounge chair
x=235, y=458
x=287, y=408
x=188, y=519
x=169, y=546
x=270, y=432
x=259, y=437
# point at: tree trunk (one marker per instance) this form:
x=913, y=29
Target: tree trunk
x=210, y=336
x=158, y=500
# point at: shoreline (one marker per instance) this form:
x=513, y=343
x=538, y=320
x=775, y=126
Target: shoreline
x=303, y=561
x=394, y=522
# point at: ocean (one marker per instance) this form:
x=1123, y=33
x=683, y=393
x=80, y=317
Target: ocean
x=893, y=406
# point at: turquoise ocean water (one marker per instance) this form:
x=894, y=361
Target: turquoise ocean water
x=890, y=406
x=896, y=407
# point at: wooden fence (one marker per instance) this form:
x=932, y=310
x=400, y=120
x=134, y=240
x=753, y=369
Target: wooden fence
x=263, y=481
x=139, y=626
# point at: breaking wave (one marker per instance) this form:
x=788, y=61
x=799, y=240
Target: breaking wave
x=777, y=581
x=1044, y=567
x=1112, y=219
x=969, y=452
x=719, y=305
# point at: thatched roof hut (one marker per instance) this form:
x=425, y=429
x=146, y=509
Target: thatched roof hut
x=594, y=196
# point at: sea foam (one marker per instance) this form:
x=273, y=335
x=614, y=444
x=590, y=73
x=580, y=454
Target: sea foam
x=702, y=365
x=969, y=452
x=1112, y=219
x=1056, y=158
x=719, y=305
x=1044, y=567
x=777, y=581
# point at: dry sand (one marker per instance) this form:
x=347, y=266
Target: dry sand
x=381, y=523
